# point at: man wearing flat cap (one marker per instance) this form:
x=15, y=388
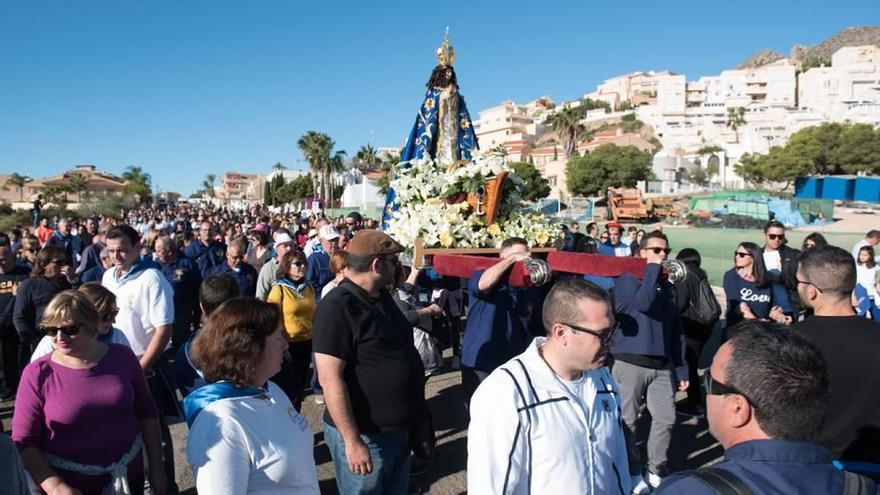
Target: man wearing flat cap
x=372, y=375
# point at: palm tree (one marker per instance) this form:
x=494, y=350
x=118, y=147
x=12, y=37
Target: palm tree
x=17, y=181
x=367, y=156
x=567, y=125
x=137, y=182
x=208, y=185
x=317, y=148
x=335, y=165
x=736, y=118
x=312, y=145
x=278, y=167
x=77, y=184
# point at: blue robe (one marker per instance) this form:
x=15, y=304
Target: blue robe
x=422, y=140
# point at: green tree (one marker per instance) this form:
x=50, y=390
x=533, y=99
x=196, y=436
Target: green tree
x=267, y=193
x=295, y=190
x=52, y=193
x=607, y=166
x=389, y=160
x=17, y=181
x=566, y=123
x=859, y=150
x=137, y=182
x=278, y=167
x=736, y=118
x=537, y=187
x=275, y=184
x=317, y=148
x=208, y=185
x=366, y=157
x=77, y=184
x=709, y=150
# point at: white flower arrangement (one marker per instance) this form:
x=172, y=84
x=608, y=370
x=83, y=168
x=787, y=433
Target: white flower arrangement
x=422, y=213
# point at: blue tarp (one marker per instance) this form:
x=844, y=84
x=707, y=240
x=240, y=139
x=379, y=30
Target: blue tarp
x=785, y=212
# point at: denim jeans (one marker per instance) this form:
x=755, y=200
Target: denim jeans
x=390, y=455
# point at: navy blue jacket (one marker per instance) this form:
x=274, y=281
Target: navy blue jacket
x=245, y=277
x=318, y=271
x=759, y=299
x=206, y=257
x=769, y=466
x=185, y=279
x=650, y=324
x=93, y=274
x=72, y=246
x=501, y=323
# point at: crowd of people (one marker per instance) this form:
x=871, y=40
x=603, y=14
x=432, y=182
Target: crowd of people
x=229, y=319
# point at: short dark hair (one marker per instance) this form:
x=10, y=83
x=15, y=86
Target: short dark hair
x=217, y=289
x=690, y=257
x=773, y=224
x=560, y=305
x=513, y=241
x=783, y=376
x=873, y=234
x=126, y=231
x=360, y=263
x=234, y=338
x=831, y=269
x=654, y=234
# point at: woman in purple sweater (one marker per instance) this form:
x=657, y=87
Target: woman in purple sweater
x=84, y=413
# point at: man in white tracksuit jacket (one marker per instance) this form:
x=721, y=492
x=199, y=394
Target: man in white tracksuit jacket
x=548, y=421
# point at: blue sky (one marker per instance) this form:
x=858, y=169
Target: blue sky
x=187, y=88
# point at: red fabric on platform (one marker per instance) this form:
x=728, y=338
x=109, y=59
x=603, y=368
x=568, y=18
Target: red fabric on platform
x=460, y=265
x=595, y=264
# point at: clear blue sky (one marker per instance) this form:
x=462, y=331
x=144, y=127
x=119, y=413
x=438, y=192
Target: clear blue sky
x=187, y=88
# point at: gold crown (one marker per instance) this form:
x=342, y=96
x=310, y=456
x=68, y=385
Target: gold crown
x=445, y=53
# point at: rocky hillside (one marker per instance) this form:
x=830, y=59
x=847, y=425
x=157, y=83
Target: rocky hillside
x=820, y=53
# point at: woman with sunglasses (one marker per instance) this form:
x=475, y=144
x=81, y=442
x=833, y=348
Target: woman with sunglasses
x=105, y=303
x=48, y=278
x=296, y=300
x=83, y=413
x=750, y=293
x=30, y=246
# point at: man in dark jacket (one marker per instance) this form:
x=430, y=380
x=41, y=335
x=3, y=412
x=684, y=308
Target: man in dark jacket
x=11, y=276
x=767, y=392
x=649, y=358
x=781, y=262
x=205, y=251
x=184, y=277
x=68, y=241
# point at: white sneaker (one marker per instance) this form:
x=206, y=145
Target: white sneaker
x=654, y=480
x=639, y=485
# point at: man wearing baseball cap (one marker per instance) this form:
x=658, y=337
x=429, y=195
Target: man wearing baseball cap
x=372, y=375
x=318, y=272
x=268, y=274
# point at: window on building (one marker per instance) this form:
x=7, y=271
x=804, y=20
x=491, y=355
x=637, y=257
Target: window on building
x=552, y=180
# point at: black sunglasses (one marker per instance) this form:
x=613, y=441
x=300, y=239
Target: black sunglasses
x=810, y=283
x=69, y=330
x=741, y=255
x=658, y=250
x=775, y=237
x=714, y=387
x=111, y=314
x=604, y=336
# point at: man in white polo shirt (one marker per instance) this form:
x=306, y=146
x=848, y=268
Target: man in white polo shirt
x=146, y=316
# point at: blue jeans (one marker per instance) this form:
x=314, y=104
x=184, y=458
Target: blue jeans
x=389, y=453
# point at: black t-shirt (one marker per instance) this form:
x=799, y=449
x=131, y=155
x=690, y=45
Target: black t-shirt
x=851, y=346
x=383, y=372
x=9, y=283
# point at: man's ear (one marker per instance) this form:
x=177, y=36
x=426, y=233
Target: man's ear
x=740, y=412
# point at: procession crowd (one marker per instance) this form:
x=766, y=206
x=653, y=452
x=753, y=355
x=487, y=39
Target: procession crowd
x=230, y=319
